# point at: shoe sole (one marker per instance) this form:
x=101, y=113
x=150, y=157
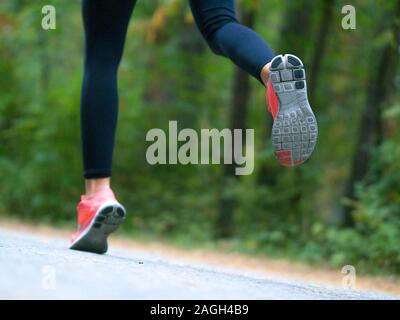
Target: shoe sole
x=295, y=130
x=106, y=220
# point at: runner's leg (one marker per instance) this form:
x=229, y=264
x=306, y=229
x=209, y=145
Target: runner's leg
x=217, y=22
x=105, y=24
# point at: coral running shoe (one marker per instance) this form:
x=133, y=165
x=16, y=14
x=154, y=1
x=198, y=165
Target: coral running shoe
x=295, y=130
x=98, y=216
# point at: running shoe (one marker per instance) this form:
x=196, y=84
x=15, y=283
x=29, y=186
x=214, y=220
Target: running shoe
x=98, y=217
x=295, y=130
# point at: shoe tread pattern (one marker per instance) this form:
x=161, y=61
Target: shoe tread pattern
x=295, y=130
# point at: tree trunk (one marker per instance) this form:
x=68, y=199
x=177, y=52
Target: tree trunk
x=295, y=31
x=320, y=46
x=44, y=66
x=241, y=91
x=189, y=42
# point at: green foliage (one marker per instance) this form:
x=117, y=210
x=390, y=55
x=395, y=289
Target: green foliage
x=372, y=244
x=168, y=73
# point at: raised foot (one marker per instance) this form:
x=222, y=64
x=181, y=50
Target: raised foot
x=295, y=130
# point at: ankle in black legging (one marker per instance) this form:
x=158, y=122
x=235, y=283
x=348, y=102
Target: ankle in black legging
x=105, y=24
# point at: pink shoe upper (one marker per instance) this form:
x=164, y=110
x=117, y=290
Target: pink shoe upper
x=87, y=208
x=272, y=100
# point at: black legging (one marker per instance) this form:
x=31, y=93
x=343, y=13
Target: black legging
x=105, y=23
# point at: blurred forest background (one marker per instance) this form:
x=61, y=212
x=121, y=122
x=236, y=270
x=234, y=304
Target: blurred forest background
x=341, y=207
